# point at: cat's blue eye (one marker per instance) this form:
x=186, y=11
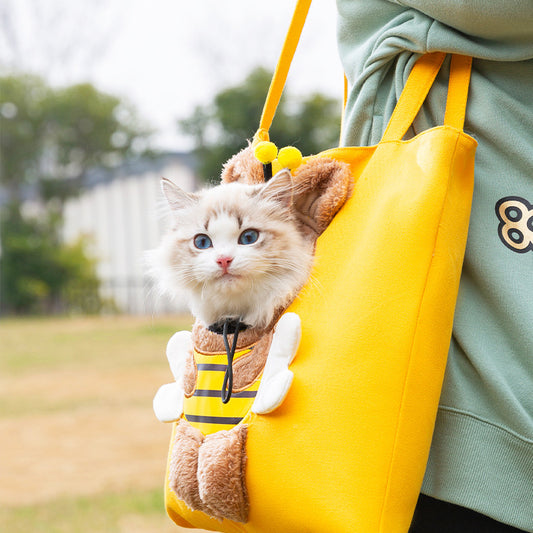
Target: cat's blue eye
x=248, y=236
x=202, y=242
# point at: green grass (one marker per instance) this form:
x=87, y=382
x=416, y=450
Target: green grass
x=42, y=347
x=103, y=513
x=37, y=404
x=36, y=344
x=40, y=361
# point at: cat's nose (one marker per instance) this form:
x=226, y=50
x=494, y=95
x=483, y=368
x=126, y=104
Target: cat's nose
x=224, y=262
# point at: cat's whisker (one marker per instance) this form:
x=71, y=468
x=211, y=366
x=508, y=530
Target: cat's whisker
x=315, y=283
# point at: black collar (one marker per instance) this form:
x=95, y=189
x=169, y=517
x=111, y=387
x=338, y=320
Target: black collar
x=232, y=325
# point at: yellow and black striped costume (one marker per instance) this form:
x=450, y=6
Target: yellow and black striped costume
x=204, y=410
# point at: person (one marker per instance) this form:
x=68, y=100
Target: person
x=479, y=476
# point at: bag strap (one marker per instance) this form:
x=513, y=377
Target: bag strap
x=411, y=99
x=417, y=87
x=282, y=69
x=460, y=72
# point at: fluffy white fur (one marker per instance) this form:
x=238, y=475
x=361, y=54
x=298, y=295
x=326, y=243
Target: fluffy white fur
x=262, y=276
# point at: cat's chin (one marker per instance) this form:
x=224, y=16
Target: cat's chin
x=234, y=302
x=229, y=279
x=227, y=285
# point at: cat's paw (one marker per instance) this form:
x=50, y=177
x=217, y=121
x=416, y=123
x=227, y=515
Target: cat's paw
x=168, y=402
x=277, y=378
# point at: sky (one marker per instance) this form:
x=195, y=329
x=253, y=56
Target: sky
x=166, y=56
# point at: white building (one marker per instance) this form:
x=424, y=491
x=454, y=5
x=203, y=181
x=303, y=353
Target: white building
x=120, y=211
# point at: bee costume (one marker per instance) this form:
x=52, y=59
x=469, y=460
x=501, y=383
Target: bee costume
x=347, y=379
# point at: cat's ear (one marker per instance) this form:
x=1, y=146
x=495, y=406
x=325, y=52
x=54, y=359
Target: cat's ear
x=177, y=198
x=279, y=188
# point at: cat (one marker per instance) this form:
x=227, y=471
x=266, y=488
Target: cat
x=235, y=250
x=241, y=251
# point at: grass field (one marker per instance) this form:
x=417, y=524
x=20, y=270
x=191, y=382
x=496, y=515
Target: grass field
x=80, y=448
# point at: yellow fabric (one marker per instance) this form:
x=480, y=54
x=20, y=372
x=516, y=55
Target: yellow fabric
x=206, y=404
x=346, y=451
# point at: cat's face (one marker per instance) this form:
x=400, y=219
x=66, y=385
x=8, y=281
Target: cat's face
x=235, y=250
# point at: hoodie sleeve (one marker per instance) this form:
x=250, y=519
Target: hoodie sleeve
x=505, y=21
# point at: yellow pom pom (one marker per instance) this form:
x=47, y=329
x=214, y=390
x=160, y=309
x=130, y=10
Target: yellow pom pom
x=266, y=152
x=290, y=157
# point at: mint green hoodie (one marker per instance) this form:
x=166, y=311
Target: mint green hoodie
x=482, y=451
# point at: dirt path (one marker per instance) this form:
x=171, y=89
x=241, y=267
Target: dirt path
x=87, y=428
x=48, y=456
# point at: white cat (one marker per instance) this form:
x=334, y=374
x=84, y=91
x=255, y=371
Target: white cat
x=235, y=251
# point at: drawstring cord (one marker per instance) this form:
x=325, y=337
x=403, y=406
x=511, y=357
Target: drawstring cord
x=229, y=327
x=227, y=384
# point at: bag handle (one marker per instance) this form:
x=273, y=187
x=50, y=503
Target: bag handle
x=411, y=99
x=417, y=87
x=458, y=84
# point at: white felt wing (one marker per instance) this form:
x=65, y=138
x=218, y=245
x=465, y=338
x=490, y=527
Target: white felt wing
x=277, y=378
x=168, y=401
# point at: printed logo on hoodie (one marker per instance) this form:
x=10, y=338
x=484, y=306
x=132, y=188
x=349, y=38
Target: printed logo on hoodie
x=516, y=223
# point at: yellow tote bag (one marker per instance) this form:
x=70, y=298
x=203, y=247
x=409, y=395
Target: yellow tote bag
x=346, y=450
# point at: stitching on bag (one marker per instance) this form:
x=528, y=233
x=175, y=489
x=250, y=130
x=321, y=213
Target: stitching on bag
x=409, y=365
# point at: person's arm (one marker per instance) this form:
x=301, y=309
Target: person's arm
x=508, y=21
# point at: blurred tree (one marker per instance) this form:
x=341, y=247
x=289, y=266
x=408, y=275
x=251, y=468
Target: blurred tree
x=39, y=273
x=49, y=138
x=222, y=128
x=22, y=132
x=48, y=135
